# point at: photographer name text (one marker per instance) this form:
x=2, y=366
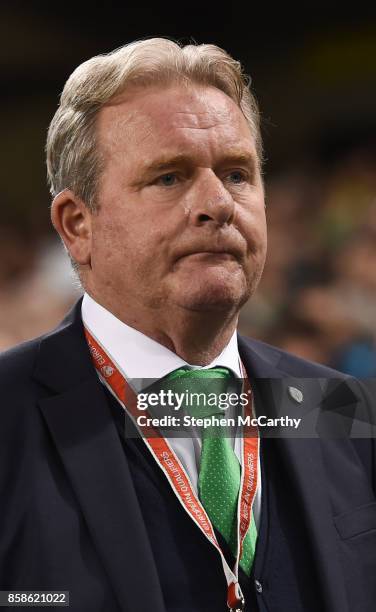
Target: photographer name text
x=187, y=420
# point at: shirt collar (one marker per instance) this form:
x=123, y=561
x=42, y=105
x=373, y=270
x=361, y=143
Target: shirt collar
x=139, y=357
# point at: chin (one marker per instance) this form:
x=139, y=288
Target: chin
x=220, y=298
x=215, y=290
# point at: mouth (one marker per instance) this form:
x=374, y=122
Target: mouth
x=215, y=254
x=211, y=255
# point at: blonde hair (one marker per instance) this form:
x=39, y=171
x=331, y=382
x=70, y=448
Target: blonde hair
x=74, y=158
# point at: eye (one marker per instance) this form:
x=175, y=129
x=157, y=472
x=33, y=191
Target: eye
x=237, y=177
x=167, y=180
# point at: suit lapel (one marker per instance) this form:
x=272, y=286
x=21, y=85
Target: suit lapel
x=304, y=466
x=82, y=428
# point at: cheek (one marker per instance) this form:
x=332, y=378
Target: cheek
x=252, y=226
x=108, y=240
x=110, y=245
x=130, y=243
x=263, y=232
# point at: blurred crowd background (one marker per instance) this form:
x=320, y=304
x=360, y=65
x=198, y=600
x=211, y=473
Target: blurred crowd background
x=315, y=79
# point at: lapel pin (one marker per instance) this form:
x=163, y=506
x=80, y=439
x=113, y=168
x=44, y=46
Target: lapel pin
x=295, y=394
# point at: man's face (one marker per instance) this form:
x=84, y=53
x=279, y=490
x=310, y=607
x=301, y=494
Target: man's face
x=181, y=221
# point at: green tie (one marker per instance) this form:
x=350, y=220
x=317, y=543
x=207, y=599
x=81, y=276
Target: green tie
x=219, y=476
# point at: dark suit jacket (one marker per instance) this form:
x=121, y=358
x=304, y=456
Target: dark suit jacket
x=69, y=515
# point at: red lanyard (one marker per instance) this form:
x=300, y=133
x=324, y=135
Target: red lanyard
x=175, y=473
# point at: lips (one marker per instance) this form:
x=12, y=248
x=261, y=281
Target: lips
x=233, y=252
x=218, y=254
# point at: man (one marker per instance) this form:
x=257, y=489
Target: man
x=154, y=160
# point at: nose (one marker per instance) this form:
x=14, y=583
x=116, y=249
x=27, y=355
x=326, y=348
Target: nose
x=212, y=202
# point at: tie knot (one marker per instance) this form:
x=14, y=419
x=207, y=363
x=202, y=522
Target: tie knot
x=205, y=390
x=211, y=373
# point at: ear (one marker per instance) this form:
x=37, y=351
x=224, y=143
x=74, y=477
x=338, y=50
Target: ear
x=72, y=220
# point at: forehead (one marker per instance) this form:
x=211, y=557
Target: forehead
x=176, y=116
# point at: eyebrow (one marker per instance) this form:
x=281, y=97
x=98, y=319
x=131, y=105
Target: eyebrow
x=181, y=159
x=165, y=162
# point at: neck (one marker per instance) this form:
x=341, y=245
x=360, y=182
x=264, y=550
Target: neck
x=198, y=337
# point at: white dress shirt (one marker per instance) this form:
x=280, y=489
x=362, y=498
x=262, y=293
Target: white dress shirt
x=140, y=358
